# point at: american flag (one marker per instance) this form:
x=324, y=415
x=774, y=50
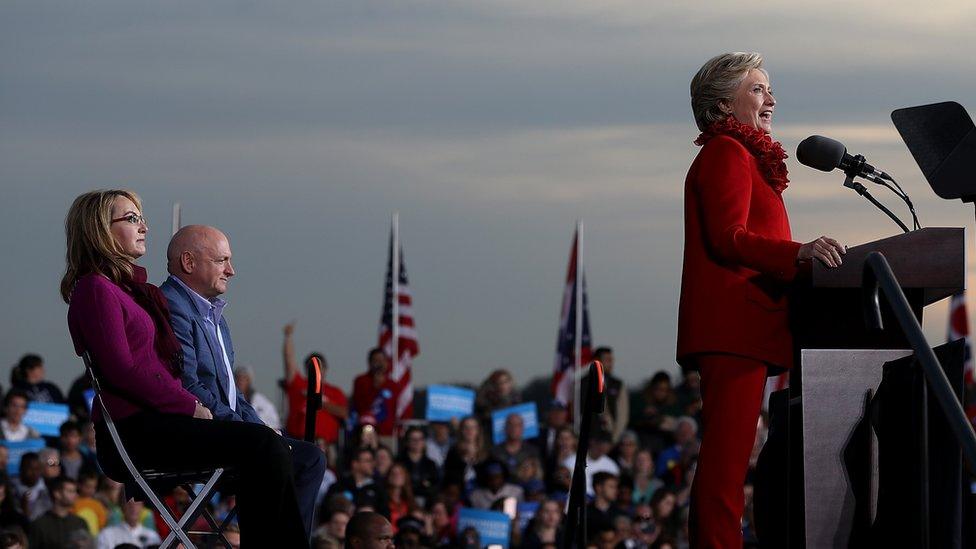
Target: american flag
x=562, y=375
x=959, y=328
x=407, y=348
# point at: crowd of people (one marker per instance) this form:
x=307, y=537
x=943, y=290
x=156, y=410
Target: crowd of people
x=417, y=474
x=58, y=496
x=167, y=366
x=166, y=361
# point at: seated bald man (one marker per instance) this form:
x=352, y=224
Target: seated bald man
x=369, y=530
x=199, y=264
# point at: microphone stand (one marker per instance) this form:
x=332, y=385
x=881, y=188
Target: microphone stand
x=575, y=534
x=886, y=180
x=313, y=396
x=862, y=190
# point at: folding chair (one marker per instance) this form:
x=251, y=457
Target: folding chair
x=148, y=479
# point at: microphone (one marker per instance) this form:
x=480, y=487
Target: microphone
x=826, y=154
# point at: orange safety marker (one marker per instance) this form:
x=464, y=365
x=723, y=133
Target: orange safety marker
x=599, y=369
x=318, y=376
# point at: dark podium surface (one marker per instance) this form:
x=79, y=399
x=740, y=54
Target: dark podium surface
x=826, y=309
x=930, y=260
x=831, y=338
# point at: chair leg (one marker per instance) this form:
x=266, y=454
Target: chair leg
x=193, y=511
x=231, y=515
x=198, y=501
x=216, y=530
x=220, y=530
x=176, y=533
x=175, y=530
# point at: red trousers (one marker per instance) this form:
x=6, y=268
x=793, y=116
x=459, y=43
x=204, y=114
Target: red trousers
x=732, y=389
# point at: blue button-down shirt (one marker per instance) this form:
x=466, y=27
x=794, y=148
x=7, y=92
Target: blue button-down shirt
x=211, y=310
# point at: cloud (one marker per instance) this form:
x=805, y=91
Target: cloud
x=181, y=67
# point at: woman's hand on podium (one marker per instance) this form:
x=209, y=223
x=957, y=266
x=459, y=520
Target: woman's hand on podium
x=826, y=249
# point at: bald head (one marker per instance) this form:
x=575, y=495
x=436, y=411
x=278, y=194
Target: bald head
x=192, y=238
x=369, y=530
x=200, y=256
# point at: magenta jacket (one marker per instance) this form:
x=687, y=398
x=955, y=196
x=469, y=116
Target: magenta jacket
x=118, y=333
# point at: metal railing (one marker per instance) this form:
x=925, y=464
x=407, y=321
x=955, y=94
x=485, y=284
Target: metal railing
x=878, y=276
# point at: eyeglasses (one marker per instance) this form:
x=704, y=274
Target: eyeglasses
x=53, y=463
x=133, y=219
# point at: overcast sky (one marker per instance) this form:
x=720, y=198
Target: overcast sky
x=491, y=126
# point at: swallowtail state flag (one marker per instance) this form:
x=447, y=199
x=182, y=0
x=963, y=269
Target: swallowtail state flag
x=562, y=375
x=407, y=347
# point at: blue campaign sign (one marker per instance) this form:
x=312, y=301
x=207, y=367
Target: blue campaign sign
x=16, y=450
x=445, y=402
x=526, y=512
x=492, y=526
x=529, y=416
x=89, y=399
x=46, y=418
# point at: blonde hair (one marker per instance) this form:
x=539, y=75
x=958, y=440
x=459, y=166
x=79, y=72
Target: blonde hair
x=717, y=81
x=481, y=452
x=91, y=246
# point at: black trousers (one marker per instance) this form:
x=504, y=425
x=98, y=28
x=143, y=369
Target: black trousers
x=268, y=507
x=308, y=464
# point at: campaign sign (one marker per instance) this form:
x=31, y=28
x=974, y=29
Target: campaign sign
x=16, y=450
x=526, y=512
x=492, y=526
x=445, y=402
x=89, y=399
x=46, y=417
x=529, y=416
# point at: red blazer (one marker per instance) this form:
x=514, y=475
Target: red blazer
x=738, y=256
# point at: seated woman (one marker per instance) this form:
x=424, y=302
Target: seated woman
x=123, y=322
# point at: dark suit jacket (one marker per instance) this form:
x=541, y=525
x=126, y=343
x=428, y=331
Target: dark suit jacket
x=204, y=373
x=738, y=255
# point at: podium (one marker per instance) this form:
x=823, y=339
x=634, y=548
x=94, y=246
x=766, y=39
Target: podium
x=826, y=306
x=825, y=427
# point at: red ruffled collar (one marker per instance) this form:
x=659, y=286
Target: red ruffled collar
x=769, y=153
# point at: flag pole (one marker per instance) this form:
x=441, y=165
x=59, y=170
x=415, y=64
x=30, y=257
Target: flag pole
x=395, y=273
x=177, y=213
x=578, y=349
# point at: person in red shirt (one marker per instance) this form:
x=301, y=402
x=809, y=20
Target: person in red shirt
x=335, y=407
x=373, y=394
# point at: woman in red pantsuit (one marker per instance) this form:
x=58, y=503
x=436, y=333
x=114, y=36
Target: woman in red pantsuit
x=738, y=257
